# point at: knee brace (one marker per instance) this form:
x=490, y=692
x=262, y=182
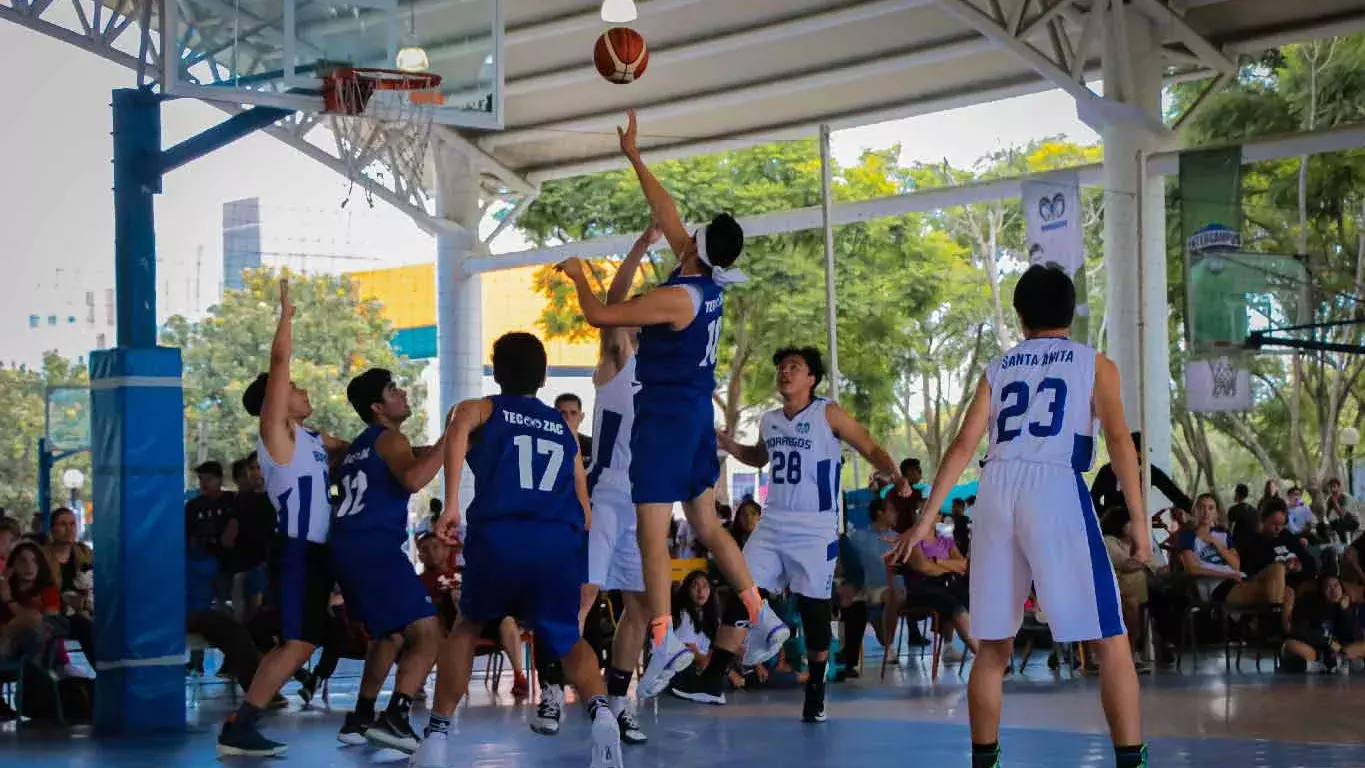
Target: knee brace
x=815, y=622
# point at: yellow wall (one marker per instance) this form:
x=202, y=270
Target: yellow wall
x=509, y=304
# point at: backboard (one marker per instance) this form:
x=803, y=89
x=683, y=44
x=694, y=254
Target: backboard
x=275, y=52
x=67, y=418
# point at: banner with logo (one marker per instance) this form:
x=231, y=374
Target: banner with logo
x=1052, y=212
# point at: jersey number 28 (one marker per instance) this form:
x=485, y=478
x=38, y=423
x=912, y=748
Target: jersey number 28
x=1016, y=395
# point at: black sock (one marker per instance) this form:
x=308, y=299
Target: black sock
x=618, y=681
x=1131, y=757
x=985, y=755
x=399, y=704
x=437, y=724
x=364, y=709
x=817, y=671
x=247, y=715
x=720, y=663
x=553, y=674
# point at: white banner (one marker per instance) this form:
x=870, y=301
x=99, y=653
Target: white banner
x=1052, y=210
x=1217, y=384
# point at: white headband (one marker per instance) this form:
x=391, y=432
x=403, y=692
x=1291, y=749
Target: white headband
x=722, y=276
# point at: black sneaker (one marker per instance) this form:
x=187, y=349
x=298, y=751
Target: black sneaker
x=698, y=688
x=630, y=727
x=393, y=731
x=813, y=711
x=548, y=712
x=308, y=688
x=245, y=741
x=352, y=732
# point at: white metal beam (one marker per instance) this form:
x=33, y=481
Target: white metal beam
x=482, y=160
x=1345, y=24
x=1167, y=19
x=1158, y=165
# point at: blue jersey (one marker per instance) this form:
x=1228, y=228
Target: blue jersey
x=684, y=359
x=523, y=461
x=372, y=499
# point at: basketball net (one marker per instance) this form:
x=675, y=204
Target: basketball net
x=385, y=118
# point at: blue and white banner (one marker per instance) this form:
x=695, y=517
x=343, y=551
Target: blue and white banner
x=1052, y=211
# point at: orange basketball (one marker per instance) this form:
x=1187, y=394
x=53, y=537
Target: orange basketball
x=621, y=55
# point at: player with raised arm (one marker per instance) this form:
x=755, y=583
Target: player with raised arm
x=377, y=478
x=1034, y=522
x=294, y=465
x=524, y=553
x=673, y=441
x=796, y=543
x=613, y=551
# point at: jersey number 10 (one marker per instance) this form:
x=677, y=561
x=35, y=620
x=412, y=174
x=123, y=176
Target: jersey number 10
x=712, y=345
x=1018, y=392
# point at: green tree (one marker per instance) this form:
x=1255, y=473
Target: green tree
x=22, y=397
x=336, y=336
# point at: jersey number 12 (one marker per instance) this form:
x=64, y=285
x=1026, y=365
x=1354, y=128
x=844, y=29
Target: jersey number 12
x=353, y=494
x=527, y=448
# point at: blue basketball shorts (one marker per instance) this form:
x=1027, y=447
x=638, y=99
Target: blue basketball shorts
x=380, y=585
x=301, y=579
x=528, y=569
x=672, y=446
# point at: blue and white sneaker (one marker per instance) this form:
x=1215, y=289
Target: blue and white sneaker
x=665, y=661
x=766, y=637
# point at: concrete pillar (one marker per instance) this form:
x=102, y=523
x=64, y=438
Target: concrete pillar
x=1137, y=82
x=459, y=295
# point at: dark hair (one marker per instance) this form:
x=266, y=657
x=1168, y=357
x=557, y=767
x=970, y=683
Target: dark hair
x=239, y=469
x=519, y=363
x=1330, y=482
x=436, y=506
x=1241, y=492
x=1296, y=489
x=63, y=511
x=724, y=240
x=1274, y=505
x=569, y=397
x=1113, y=521
x=254, y=396
x=909, y=464
x=875, y=507
x=1045, y=298
x=815, y=362
x=959, y=502
x=212, y=468
x=367, y=389
x=705, y=618
x=46, y=572
x=971, y=501
x=12, y=526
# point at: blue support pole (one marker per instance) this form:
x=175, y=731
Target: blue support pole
x=44, y=484
x=137, y=177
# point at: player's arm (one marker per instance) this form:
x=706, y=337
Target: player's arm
x=660, y=202
x=955, y=460
x=412, y=471
x=755, y=455
x=848, y=429
x=670, y=305
x=614, y=340
x=580, y=483
x=1122, y=453
x=469, y=416
x=275, y=431
x=922, y=564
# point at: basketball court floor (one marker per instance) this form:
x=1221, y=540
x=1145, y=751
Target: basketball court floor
x=1209, y=720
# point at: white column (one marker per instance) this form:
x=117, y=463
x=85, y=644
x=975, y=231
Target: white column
x=1127, y=193
x=459, y=296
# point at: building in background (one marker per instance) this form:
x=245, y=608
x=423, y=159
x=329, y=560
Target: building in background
x=241, y=240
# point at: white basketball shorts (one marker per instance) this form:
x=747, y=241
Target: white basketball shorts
x=613, y=552
x=801, y=558
x=1035, y=524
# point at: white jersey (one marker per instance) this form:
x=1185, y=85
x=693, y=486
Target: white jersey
x=613, y=416
x=804, y=461
x=1041, y=406
x=299, y=489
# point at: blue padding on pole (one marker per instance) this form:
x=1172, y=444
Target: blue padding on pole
x=138, y=461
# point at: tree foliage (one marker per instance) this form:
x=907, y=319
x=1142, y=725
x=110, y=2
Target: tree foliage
x=336, y=336
x=22, y=397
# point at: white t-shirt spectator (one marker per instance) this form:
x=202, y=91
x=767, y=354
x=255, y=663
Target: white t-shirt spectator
x=688, y=633
x=1300, y=519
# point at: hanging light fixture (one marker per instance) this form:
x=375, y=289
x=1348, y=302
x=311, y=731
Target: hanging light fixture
x=412, y=57
x=619, y=11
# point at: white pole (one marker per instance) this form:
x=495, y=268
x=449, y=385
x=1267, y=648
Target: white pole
x=1145, y=456
x=826, y=193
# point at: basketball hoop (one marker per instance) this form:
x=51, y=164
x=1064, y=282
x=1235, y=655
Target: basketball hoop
x=375, y=112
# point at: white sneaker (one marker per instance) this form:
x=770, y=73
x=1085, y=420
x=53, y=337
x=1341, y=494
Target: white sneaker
x=624, y=710
x=549, y=711
x=606, y=741
x=765, y=638
x=434, y=752
x=665, y=661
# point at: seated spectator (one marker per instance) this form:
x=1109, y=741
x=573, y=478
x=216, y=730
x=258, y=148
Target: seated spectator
x=220, y=630
x=1216, y=568
x=746, y=520
x=30, y=602
x=1337, y=513
x=867, y=585
x=1243, y=519
x=1274, y=543
x=1326, y=631
x=1301, y=518
x=248, y=536
x=1132, y=574
x=962, y=526
x=934, y=580
x=73, y=564
x=1353, y=569
x=696, y=620
x=907, y=507
x=10, y=534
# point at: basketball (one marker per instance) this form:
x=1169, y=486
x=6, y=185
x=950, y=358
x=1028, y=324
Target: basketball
x=621, y=55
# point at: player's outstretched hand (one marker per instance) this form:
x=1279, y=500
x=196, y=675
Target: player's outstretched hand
x=652, y=234
x=627, y=136
x=286, y=306
x=900, y=551
x=725, y=442
x=572, y=267
x=448, y=527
